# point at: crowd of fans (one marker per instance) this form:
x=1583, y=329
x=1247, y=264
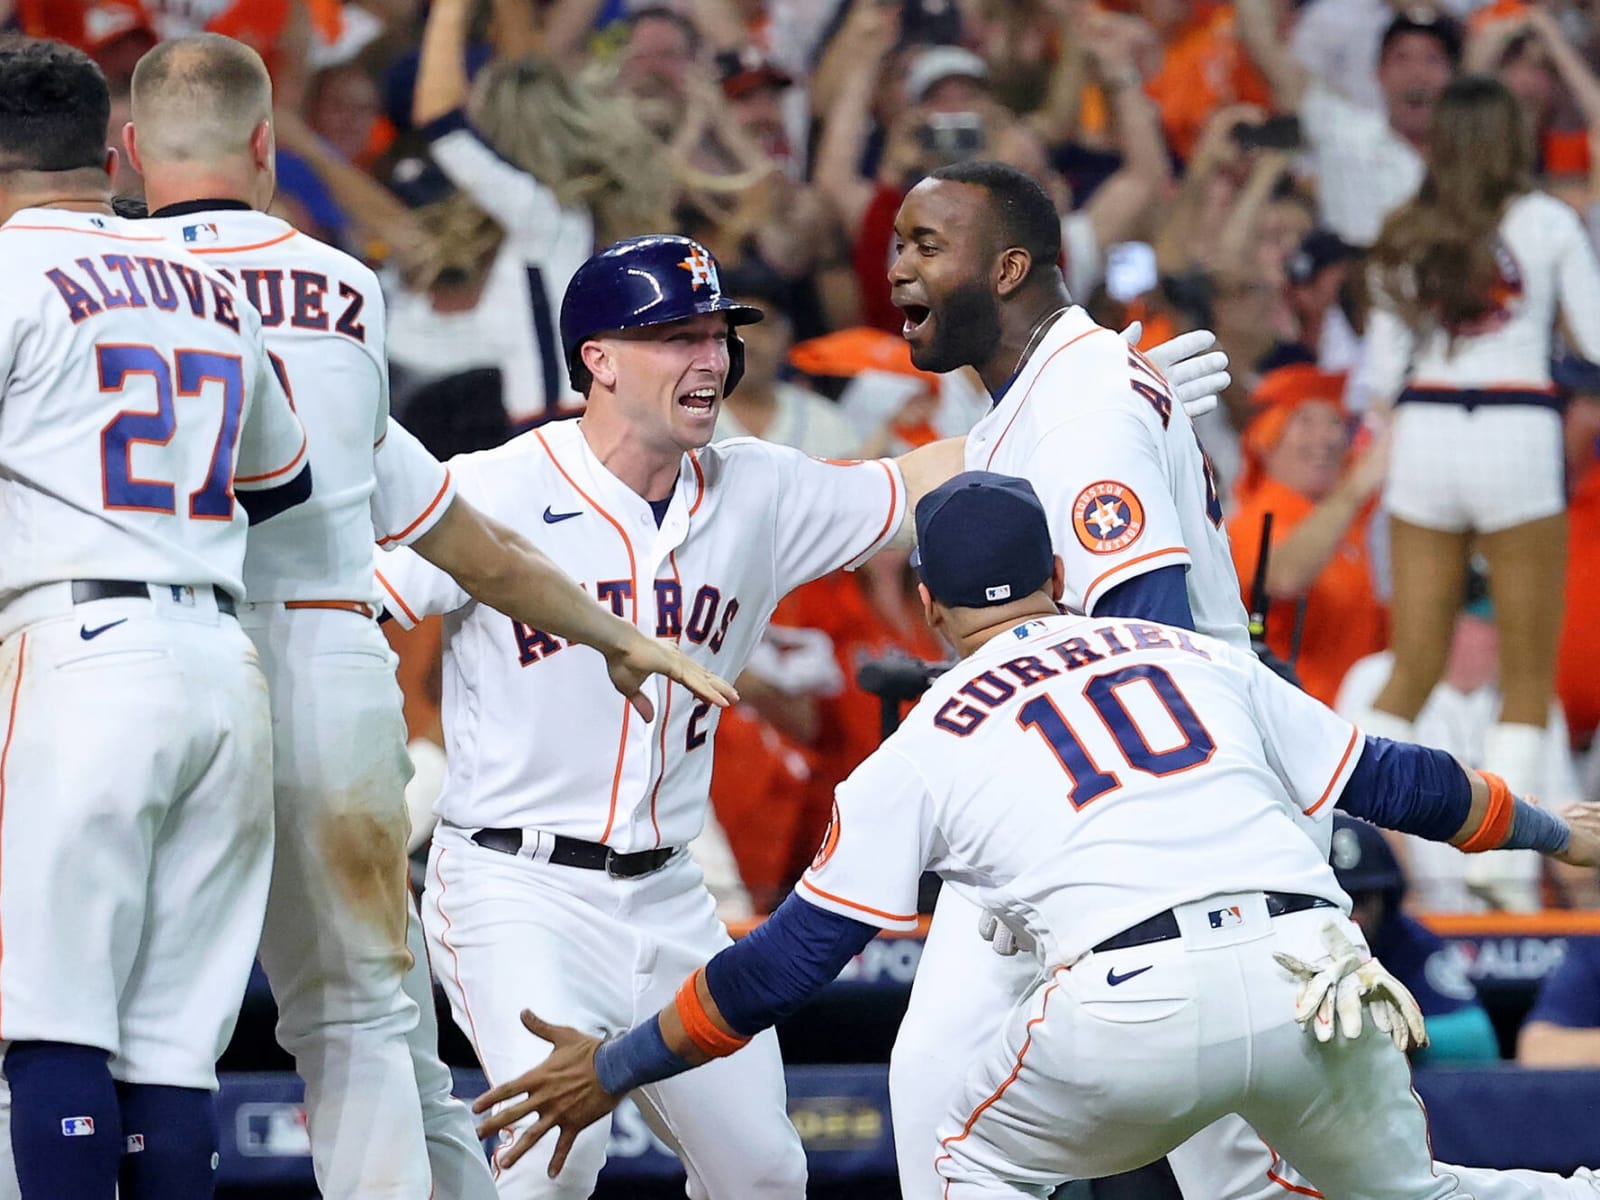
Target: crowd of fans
x=1314, y=181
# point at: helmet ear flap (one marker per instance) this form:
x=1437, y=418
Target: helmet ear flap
x=735, y=361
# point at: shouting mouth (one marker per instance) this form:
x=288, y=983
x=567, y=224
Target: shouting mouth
x=917, y=318
x=700, y=400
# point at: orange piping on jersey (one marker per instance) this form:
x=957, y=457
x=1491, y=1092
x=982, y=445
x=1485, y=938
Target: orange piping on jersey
x=1037, y=375
x=1355, y=736
x=293, y=463
x=1099, y=579
x=697, y=1022
x=699, y=483
x=11, y=728
x=877, y=912
x=1027, y=1043
x=633, y=576
x=746, y=925
x=401, y=536
x=894, y=503
x=1272, y=1174
x=381, y=440
x=282, y=237
x=119, y=237
x=405, y=609
x=1496, y=821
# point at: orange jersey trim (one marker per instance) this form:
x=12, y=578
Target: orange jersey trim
x=1027, y=1044
x=1497, y=820
x=697, y=1022
x=1094, y=584
x=282, y=237
x=1355, y=736
x=633, y=575
x=877, y=912
x=405, y=609
x=401, y=536
x=117, y=237
x=1272, y=1174
x=700, y=483
x=1060, y=350
x=293, y=463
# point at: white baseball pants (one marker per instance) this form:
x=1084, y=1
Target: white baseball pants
x=600, y=954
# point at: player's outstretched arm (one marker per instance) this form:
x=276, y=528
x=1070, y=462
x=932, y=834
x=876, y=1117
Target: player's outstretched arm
x=746, y=988
x=498, y=567
x=924, y=469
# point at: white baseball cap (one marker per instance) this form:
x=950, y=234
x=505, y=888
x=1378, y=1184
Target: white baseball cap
x=938, y=63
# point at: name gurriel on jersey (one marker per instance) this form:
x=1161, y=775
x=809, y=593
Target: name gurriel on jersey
x=93, y=285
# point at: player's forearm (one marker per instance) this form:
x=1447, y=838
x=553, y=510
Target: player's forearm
x=924, y=469
x=498, y=567
x=441, y=69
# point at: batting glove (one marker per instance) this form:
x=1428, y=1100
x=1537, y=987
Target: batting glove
x=1002, y=939
x=1334, y=990
x=1196, y=378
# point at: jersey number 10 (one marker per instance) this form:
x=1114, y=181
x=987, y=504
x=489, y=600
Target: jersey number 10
x=193, y=369
x=1089, y=782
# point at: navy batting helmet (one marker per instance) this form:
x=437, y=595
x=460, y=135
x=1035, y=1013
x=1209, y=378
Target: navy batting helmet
x=1361, y=858
x=647, y=281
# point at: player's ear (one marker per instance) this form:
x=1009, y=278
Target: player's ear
x=1013, y=268
x=601, y=363
x=930, y=612
x=261, y=143
x=111, y=162
x=130, y=139
x=1058, y=579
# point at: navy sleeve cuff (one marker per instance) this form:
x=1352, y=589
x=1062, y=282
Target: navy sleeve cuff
x=1161, y=595
x=267, y=503
x=451, y=121
x=1410, y=788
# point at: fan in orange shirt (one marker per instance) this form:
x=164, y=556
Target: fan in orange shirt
x=1298, y=466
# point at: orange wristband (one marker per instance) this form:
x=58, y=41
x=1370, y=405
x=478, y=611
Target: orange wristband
x=697, y=1022
x=1496, y=825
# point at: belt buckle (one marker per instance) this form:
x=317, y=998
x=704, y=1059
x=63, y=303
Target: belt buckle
x=611, y=868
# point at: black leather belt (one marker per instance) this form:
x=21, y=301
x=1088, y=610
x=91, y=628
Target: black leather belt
x=588, y=856
x=1163, y=927
x=85, y=591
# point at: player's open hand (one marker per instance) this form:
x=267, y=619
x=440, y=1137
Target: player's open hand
x=1196, y=377
x=643, y=657
x=1583, y=847
x=564, y=1090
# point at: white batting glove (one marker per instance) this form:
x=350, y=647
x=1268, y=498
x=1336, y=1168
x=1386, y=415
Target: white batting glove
x=1197, y=378
x=1003, y=940
x=1335, y=989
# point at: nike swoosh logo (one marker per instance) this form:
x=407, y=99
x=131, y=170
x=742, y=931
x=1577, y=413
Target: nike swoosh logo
x=551, y=518
x=89, y=635
x=1113, y=978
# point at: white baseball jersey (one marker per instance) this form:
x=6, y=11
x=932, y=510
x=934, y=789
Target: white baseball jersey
x=322, y=319
x=536, y=736
x=112, y=341
x=1083, y=775
x=1119, y=469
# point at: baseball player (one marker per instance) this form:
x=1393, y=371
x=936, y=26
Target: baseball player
x=1135, y=516
x=141, y=429
x=558, y=871
x=341, y=946
x=1122, y=791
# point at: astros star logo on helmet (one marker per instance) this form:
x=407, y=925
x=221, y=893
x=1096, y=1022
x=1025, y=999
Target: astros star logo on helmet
x=1107, y=517
x=701, y=269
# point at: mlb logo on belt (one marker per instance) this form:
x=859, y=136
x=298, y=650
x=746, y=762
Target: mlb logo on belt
x=1225, y=918
x=77, y=1126
x=1107, y=517
x=198, y=234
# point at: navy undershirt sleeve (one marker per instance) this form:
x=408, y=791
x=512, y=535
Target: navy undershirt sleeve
x=1161, y=595
x=266, y=503
x=772, y=971
x=1410, y=788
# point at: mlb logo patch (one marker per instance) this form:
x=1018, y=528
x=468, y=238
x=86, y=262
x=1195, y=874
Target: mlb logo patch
x=999, y=592
x=1225, y=918
x=202, y=233
x=133, y=1144
x=77, y=1126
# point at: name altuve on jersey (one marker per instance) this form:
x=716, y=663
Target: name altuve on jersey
x=116, y=281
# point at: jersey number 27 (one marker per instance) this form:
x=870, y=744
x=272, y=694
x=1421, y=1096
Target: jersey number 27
x=187, y=375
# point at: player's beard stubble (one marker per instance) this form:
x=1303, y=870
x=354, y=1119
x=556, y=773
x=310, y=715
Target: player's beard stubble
x=966, y=331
